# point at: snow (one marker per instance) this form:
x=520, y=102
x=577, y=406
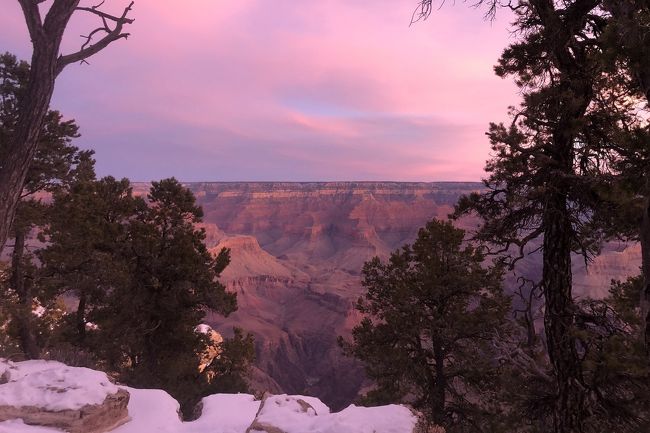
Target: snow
x=52, y=385
x=55, y=386
x=39, y=311
x=225, y=413
x=152, y=411
x=381, y=419
x=203, y=329
x=155, y=411
x=286, y=413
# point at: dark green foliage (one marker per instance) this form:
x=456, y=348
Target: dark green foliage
x=13, y=78
x=614, y=363
x=612, y=359
x=86, y=237
x=550, y=168
x=144, y=280
x=54, y=165
x=147, y=326
x=431, y=312
x=229, y=371
x=55, y=156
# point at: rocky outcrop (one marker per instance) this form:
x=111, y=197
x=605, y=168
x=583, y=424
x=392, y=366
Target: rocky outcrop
x=93, y=418
x=288, y=406
x=214, y=345
x=52, y=394
x=300, y=414
x=297, y=250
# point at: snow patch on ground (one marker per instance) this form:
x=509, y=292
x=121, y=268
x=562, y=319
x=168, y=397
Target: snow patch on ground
x=55, y=386
x=225, y=413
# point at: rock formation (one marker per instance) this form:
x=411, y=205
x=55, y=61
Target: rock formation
x=92, y=418
x=51, y=394
x=299, y=414
x=297, y=250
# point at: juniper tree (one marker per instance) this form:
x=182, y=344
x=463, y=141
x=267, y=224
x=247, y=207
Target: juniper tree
x=46, y=33
x=86, y=236
x=230, y=370
x=430, y=313
x=54, y=165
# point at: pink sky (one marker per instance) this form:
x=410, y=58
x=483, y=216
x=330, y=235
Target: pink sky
x=285, y=90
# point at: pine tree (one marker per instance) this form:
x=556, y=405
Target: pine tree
x=430, y=313
x=614, y=362
x=147, y=327
x=230, y=370
x=546, y=177
x=86, y=235
x=626, y=45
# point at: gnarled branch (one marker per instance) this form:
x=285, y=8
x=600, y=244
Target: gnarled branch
x=112, y=35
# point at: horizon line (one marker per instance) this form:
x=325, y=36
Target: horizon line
x=310, y=181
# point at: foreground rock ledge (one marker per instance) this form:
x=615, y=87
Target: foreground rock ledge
x=301, y=414
x=92, y=418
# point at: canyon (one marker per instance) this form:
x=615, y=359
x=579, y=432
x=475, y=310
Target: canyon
x=297, y=250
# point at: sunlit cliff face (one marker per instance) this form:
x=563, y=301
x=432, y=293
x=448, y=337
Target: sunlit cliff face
x=297, y=250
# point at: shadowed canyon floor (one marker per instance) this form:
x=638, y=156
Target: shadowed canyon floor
x=297, y=250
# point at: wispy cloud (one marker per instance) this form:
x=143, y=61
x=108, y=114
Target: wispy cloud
x=286, y=90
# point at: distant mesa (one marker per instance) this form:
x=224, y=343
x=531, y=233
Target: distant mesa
x=297, y=249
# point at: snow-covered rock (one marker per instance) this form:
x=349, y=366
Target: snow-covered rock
x=299, y=414
x=52, y=385
x=47, y=393
x=56, y=388
x=225, y=413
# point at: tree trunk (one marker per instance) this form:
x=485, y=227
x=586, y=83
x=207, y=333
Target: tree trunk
x=23, y=141
x=559, y=315
x=81, y=317
x=440, y=384
x=46, y=35
x=23, y=312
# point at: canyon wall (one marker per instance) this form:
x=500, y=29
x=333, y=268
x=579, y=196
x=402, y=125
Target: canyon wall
x=297, y=250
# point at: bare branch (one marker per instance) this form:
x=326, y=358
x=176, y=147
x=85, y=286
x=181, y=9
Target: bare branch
x=96, y=11
x=90, y=36
x=422, y=11
x=112, y=35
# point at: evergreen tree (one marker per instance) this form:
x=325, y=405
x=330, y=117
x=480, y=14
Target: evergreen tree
x=86, y=236
x=547, y=175
x=144, y=280
x=430, y=314
x=54, y=165
x=626, y=45
x=229, y=371
x=614, y=363
x=147, y=327
x=46, y=27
